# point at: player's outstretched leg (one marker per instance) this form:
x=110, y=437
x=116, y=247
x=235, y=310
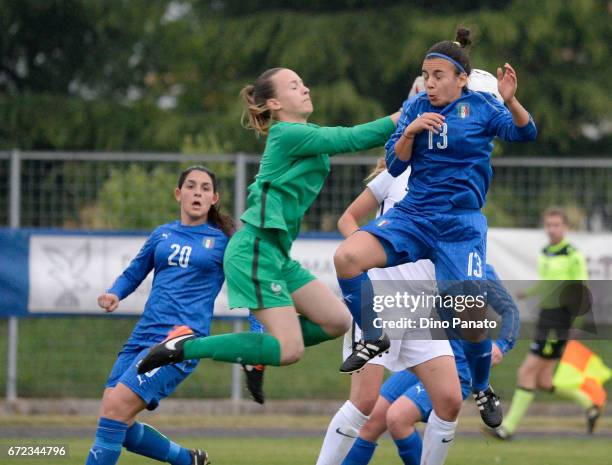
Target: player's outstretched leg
x=247, y=348
x=170, y=350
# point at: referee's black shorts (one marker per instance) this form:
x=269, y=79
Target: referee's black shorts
x=551, y=333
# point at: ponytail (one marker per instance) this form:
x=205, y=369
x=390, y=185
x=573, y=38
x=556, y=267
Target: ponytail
x=256, y=114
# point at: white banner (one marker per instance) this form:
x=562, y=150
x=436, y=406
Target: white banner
x=514, y=252
x=67, y=273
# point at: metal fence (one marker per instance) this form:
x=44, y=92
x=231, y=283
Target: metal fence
x=127, y=191
x=133, y=191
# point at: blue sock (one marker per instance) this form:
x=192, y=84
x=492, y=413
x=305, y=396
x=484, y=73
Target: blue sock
x=410, y=448
x=145, y=440
x=361, y=453
x=359, y=297
x=107, y=445
x=478, y=355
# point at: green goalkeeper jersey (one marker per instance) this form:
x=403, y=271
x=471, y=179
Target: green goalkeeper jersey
x=293, y=169
x=557, y=263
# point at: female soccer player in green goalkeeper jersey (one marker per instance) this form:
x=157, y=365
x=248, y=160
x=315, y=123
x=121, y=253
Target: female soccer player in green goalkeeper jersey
x=296, y=309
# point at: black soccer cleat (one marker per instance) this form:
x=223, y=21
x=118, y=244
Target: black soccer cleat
x=489, y=407
x=593, y=414
x=254, y=381
x=167, y=352
x=199, y=457
x=363, y=352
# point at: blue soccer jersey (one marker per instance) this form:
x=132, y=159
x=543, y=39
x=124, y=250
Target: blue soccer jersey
x=188, y=275
x=451, y=170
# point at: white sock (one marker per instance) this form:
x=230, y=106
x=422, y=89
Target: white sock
x=341, y=434
x=437, y=439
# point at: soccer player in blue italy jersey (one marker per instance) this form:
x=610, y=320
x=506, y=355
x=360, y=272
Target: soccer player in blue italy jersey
x=186, y=257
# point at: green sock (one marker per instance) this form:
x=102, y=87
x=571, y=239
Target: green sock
x=578, y=396
x=520, y=403
x=247, y=348
x=312, y=333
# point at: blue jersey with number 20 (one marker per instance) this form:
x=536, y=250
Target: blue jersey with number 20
x=188, y=274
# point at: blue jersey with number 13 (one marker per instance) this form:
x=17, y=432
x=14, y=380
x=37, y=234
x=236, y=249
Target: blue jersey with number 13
x=451, y=170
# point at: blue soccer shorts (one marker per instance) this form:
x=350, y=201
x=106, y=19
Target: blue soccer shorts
x=152, y=386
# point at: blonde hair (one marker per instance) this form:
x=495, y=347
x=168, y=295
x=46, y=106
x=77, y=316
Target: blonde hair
x=381, y=166
x=256, y=114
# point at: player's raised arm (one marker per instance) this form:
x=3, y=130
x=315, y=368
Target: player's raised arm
x=512, y=122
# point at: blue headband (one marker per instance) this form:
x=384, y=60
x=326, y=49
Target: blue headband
x=447, y=58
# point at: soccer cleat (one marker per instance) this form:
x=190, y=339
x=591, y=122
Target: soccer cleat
x=199, y=457
x=592, y=415
x=254, y=381
x=498, y=433
x=489, y=407
x=363, y=352
x=170, y=350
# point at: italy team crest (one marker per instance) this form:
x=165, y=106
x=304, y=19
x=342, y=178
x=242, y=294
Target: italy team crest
x=463, y=110
x=208, y=242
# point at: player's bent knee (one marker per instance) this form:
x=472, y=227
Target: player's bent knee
x=116, y=409
x=365, y=402
x=339, y=325
x=373, y=429
x=291, y=353
x=449, y=406
x=347, y=261
x=399, y=422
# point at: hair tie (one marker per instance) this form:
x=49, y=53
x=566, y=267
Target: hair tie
x=447, y=58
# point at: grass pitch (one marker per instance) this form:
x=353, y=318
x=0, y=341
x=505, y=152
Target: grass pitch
x=303, y=451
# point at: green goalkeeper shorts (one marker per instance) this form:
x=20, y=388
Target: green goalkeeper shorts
x=259, y=273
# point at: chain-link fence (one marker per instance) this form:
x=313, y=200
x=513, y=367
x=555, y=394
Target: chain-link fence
x=115, y=191
x=120, y=191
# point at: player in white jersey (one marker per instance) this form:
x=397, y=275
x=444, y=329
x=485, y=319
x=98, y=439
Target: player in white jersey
x=381, y=194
